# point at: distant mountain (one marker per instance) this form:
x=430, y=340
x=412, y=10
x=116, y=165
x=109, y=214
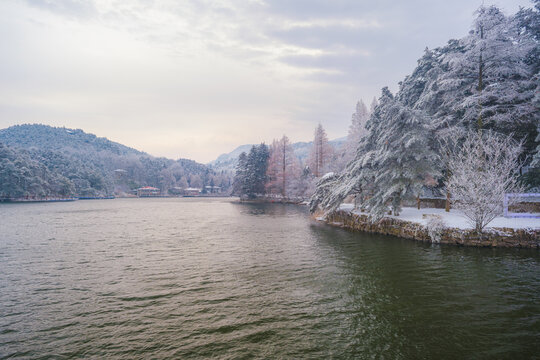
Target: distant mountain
x=45, y=137
x=227, y=162
x=40, y=160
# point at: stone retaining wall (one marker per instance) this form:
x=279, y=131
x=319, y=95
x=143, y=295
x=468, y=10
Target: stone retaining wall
x=500, y=237
x=275, y=199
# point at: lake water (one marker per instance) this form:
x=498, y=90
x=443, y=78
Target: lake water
x=212, y=278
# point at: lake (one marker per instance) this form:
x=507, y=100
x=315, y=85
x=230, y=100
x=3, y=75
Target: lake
x=214, y=278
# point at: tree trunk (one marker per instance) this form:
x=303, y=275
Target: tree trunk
x=283, y=192
x=447, y=205
x=478, y=227
x=480, y=82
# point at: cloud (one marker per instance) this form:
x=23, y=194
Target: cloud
x=331, y=64
x=210, y=75
x=78, y=9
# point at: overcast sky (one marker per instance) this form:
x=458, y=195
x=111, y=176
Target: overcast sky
x=195, y=79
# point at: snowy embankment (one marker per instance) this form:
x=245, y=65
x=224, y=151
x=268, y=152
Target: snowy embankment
x=438, y=226
x=453, y=219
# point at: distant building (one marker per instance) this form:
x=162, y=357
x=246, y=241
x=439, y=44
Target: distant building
x=212, y=189
x=148, y=191
x=176, y=190
x=192, y=192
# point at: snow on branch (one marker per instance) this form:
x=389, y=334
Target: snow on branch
x=482, y=170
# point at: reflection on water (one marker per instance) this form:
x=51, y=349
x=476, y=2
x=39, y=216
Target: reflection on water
x=192, y=278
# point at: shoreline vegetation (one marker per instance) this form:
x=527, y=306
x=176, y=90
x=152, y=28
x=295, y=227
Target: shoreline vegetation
x=493, y=237
x=275, y=200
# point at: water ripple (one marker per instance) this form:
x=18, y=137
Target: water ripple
x=211, y=278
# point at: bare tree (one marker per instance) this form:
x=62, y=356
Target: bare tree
x=483, y=169
x=283, y=169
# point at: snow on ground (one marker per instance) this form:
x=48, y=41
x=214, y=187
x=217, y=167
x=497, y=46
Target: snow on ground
x=455, y=218
x=346, y=207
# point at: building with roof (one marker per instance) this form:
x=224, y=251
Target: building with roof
x=192, y=191
x=212, y=189
x=148, y=191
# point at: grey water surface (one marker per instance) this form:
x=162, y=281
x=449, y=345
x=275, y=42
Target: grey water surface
x=213, y=278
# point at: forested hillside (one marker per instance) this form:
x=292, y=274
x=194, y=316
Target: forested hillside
x=45, y=137
x=21, y=174
x=39, y=161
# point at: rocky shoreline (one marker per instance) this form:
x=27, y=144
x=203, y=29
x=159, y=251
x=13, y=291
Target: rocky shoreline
x=275, y=199
x=497, y=237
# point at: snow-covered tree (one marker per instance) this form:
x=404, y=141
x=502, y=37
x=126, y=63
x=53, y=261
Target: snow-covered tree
x=321, y=153
x=324, y=190
x=182, y=182
x=492, y=68
x=331, y=191
x=502, y=55
x=396, y=157
x=393, y=161
x=404, y=159
x=358, y=175
x=357, y=130
x=305, y=186
x=373, y=105
x=195, y=181
x=536, y=159
x=283, y=169
x=483, y=169
x=240, y=178
x=166, y=180
x=258, y=164
x=250, y=178
x=491, y=75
